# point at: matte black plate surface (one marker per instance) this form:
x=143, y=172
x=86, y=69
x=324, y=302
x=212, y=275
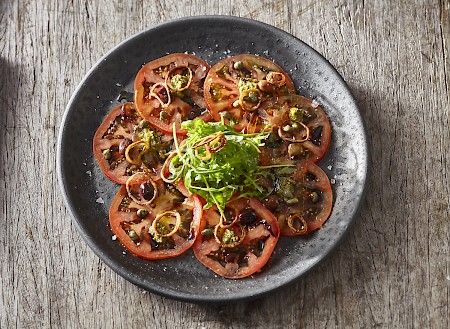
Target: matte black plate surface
x=88, y=193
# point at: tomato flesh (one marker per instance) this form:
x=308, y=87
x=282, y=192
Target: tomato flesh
x=248, y=257
x=305, y=194
x=226, y=81
x=132, y=228
x=171, y=106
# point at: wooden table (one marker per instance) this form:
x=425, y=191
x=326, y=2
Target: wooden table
x=393, y=270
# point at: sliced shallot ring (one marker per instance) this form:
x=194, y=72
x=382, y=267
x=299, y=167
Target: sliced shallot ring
x=141, y=153
x=276, y=78
x=177, y=68
x=229, y=245
x=165, y=169
x=248, y=91
x=148, y=179
x=171, y=213
x=207, y=150
x=304, y=139
x=155, y=95
x=291, y=223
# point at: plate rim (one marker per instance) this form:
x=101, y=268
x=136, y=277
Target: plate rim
x=178, y=295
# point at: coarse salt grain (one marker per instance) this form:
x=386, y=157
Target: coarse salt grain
x=314, y=103
x=100, y=200
x=330, y=167
x=114, y=237
x=332, y=181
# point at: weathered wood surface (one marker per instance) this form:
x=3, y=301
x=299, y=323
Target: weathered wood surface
x=393, y=270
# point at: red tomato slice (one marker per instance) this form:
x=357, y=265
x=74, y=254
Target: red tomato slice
x=226, y=83
x=279, y=148
x=163, y=105
x=246, y=258
x=304, y=198
x=131, y=223
x=120, y=128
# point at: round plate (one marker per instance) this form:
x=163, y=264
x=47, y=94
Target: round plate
x=88, y=193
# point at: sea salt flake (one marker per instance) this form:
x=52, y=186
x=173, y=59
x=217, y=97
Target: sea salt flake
x=330, y=167
x=314, y=103
x=100, y=200
x=114, y=237
x=332, y=181
x=89, y=173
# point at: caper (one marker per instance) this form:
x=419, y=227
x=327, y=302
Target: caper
x=144, y=124
x=142, y=213
x=207, y=232
x=253, y=96
x=314, y=197
x=238, y=65
x=163, y=115
x=236, y=103
x=107, y=154
x=287, y=128
x=291, y=201
x=133, y=235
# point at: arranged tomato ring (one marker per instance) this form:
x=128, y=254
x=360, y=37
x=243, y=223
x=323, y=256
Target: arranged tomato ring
x=301, y=130
x=174, y=232
x=170, y=90
x=114, y=139
x=236, y=86
x=240, y=249
x=302, y=199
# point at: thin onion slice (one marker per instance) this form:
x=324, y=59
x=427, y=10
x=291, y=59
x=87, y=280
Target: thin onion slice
x=276, y=78
x=218, y=233
x=297, y=218
x=165, y=169
x=169, y=213
x=207, y=155
x=141, y=177
x=243, y=102
x=130, y=147
x=212, y=144
x=168, y=77
x=155, y=95
x=282, y=134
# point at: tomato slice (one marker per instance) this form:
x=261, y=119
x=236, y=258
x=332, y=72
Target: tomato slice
x=246, y=245
x=286, y=144
x=132, y=223
x=302, y=200
x=122, y=127
x=244, y=79
x=170, y=90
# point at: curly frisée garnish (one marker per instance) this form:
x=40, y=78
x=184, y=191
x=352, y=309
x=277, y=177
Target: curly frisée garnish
x=217, y=162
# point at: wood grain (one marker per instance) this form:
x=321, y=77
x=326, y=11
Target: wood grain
x=392, y=271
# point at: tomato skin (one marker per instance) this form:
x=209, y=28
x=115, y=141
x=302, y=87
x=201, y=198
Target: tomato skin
x=179, y=109
x=277, y=113
x=308, y=178
x=118, y=219
x=265, y=228
x=223, y=79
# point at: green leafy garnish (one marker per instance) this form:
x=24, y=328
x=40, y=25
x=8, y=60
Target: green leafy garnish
x=218, y=170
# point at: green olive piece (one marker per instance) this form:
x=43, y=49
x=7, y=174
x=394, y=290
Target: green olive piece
x=163, y=115
x=107, y=154
x=141, y=213
x=253, y=96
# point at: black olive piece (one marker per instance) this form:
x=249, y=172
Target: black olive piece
x=147, y=190
x=247, y=216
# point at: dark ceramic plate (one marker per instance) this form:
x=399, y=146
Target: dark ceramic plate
x=88, y=193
